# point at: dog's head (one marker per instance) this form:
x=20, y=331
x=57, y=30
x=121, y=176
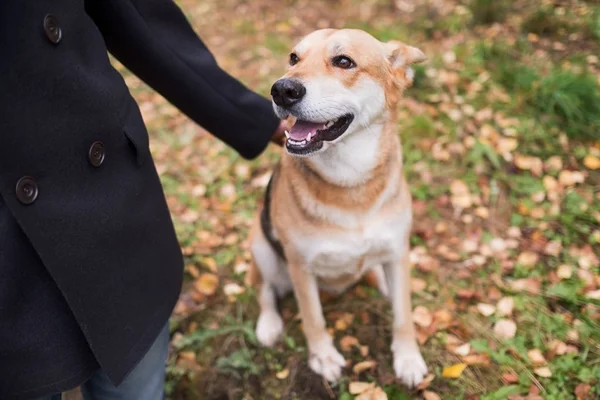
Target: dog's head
x=340, y=82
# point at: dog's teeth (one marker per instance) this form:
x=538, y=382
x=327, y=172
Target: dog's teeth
x=309, y=136
x=287, y=134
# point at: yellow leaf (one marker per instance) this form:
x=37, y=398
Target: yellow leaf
x=341, y=325
x=454, y=371
x=591, y=162
x=207, y=284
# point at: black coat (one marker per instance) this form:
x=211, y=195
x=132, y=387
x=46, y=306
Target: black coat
x=90, y=267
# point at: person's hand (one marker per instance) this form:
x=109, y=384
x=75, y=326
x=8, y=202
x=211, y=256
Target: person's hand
x=279, y=136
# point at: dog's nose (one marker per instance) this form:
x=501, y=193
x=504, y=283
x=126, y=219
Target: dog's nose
x=287, y=92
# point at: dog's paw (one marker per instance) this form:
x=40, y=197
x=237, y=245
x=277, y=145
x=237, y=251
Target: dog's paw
x=269, y=328
x=326, y=361
x=409, y=366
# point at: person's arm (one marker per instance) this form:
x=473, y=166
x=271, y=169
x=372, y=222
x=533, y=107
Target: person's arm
x=155, y=41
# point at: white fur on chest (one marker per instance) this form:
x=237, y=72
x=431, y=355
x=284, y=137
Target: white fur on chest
x=379, y=240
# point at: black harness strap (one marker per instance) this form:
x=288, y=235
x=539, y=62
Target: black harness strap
x=265, y=218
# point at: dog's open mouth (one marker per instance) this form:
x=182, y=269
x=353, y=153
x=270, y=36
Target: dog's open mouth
x=306, y=137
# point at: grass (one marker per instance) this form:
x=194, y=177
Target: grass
x=490, y=94
x=489, y=11
x=573, y=98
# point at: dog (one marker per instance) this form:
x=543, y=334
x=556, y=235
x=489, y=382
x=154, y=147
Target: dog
x=338, y=206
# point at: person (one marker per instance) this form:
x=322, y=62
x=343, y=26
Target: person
x=90, y=266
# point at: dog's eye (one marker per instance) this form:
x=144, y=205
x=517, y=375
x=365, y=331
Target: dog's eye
x=294, y=59
x=343, y=62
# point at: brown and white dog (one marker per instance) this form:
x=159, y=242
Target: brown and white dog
x=338, y=206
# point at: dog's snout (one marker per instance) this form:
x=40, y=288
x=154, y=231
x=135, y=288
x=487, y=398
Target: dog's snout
x=287, y=92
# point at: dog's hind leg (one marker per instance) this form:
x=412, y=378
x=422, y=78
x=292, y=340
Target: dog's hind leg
x=380, y=280
x=275, y=283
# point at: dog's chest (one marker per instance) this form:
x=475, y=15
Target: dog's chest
x=355, y=251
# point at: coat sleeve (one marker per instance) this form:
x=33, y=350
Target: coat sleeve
x=154, y=40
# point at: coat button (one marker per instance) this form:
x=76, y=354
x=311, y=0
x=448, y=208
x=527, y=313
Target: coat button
x=52, y=28
x=27, y=190
x=97, y=154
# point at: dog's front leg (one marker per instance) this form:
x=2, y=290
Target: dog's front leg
x=324, y=359
x=408, y=362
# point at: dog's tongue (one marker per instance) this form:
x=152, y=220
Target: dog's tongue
x=301, y=129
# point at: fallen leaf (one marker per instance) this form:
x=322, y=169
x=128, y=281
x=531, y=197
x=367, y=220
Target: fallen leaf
x=482, y=212
x=476, y=359
x=528, y=259
x=553, y=164
x=422, y=316
x=497, y=245
x=514, y=232
x=538, y=197
x=425, y=382
x=536, y=357
x=241, y=268
x=550, y=184
x=374, y=393
x=506, y=145
x=348, y=342
x=364, y=351
x=593, y=295
x=486, y=309
x=463, y=350
x=510, y=377
x=454, y=371
x=529, y=163
x=363, y=366
x=283, y=374
x=461, y=196
x=359, y=387
x=466, y=294
x=428, y=395
x=443, y=319
x=233, y=289
x=206, y=284
x=570, y=178
x=553, y=248
x=505, y=329
x=564, y=271
x=341, y=325
x=470, y=246
x=417, y=285
x=505, y=306
x=544, y=372
x=591, y=162
x=531, y=285
x=582, y=391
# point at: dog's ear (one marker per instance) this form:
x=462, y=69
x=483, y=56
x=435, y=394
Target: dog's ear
x=401, y=56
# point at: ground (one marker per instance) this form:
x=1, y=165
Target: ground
x=501, y=144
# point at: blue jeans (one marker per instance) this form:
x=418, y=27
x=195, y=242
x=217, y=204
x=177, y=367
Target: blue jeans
x=145, y=382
